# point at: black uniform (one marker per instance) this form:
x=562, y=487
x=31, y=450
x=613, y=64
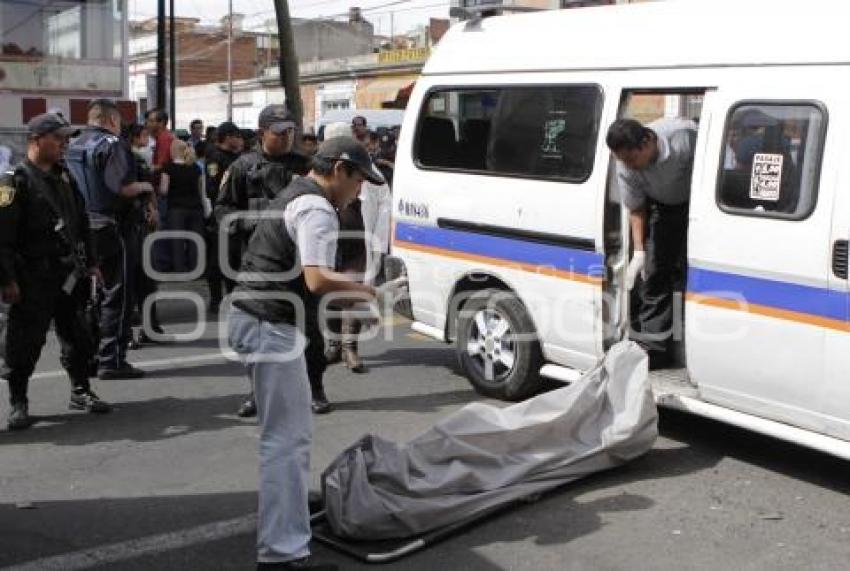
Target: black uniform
x=217, y=162
x=45, y=247
x=251, y=182
x=136, y=228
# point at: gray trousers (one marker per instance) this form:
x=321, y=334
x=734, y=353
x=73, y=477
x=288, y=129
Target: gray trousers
x=273, y=354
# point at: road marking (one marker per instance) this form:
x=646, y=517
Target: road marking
x=158, y=363
x=122, y=551
x=395, y=321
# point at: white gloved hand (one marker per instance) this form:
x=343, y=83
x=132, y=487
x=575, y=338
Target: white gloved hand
x=389, y=292
x=637, y=265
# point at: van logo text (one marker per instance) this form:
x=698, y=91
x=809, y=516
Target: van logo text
x=412, y=209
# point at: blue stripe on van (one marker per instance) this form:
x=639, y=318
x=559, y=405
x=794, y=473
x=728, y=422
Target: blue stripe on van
x=814, y=301
x=517, y=250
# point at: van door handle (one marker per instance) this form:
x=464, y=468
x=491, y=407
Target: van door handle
x=840, y=258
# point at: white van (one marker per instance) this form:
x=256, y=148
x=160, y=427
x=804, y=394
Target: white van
x=508, y=222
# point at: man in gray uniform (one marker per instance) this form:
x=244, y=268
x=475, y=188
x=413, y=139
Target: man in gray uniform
x=654, y=166
x=286, y=269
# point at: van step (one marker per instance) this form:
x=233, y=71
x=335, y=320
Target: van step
x=672, y=382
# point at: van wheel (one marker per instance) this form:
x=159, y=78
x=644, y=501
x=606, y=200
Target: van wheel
x=497, y=346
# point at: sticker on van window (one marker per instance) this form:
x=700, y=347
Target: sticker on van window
x=766, y=177
x=552, y=129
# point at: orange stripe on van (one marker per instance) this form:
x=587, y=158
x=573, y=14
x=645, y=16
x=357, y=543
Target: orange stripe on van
x=773, y=312
x=509, y=264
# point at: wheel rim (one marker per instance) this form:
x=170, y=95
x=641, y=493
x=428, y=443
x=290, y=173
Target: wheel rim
x=491, y=346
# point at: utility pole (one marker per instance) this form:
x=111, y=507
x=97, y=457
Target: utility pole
x=288, y=62
x=160, y=56
x=172, y=75
x=230, y=61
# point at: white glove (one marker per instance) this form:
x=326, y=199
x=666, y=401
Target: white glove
x=637, y=265
x=389, y=292
x=386, y=296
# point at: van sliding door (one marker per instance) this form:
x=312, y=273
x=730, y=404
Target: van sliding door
x=758, y=301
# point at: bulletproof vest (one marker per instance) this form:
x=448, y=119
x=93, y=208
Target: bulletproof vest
x=266, y=179
x=49, y=226
x=81, y=158
x=272, y=251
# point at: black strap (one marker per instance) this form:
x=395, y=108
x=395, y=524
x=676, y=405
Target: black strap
x=64, y=230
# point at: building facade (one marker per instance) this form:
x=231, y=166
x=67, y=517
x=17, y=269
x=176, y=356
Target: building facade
x=58, y=56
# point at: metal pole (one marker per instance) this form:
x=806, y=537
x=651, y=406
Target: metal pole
x=160, y=56
x=288, y=60
x=230, y=61
x=172, y=76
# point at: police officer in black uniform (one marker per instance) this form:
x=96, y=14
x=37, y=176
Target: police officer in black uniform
x=229, y=145
x=248, y=186
x=102, y=166
x=46, y=268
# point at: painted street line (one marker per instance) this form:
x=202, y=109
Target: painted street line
x=133, y=548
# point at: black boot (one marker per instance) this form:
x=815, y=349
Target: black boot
x=320, y=404
x=84, y=399
x=333, y=353
x=248, y=408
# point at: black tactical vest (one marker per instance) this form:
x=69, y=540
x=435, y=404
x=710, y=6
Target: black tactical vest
x=271, y=251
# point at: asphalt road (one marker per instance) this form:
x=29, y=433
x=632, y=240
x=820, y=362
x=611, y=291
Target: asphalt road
x=168, y=480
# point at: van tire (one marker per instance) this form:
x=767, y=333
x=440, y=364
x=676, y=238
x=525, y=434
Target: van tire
x=503, y=316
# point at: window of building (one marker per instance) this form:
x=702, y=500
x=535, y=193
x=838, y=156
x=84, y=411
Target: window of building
x=68, y=29
x=771, y=159
x=62, y=45
x=529, y=131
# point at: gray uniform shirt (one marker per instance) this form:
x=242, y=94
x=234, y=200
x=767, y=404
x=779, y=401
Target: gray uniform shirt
x=313, y=225
x=668, y=180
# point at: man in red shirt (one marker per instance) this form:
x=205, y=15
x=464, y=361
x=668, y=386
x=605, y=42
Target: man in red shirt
x=156, y=120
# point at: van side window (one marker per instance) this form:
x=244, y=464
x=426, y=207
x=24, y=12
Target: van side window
x=771, y=159
x=530, y=131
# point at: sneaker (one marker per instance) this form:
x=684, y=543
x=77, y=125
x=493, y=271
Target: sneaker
x=248, y=408
x=125, y=371
x=303, y=564
x=19, y=417
x=85, y=399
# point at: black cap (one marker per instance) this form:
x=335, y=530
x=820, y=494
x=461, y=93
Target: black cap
x=50, y=123
x=276, y=118
x=348, y=149
x=226, y=129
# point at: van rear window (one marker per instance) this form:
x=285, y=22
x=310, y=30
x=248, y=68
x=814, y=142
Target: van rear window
x=527, y=131
x=771, y=159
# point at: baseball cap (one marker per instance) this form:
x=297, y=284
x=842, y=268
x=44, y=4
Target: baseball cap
x=348, y=149
x=50, y=123
x=276, y=118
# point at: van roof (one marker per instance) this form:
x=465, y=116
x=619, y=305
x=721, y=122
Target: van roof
x=666, y=34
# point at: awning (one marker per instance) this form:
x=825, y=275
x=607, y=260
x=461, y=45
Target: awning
x=376, y=92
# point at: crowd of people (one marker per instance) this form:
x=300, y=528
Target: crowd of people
x=300, y=218
x=133, y=180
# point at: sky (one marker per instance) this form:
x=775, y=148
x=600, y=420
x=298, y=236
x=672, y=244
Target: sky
x=402, y=15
